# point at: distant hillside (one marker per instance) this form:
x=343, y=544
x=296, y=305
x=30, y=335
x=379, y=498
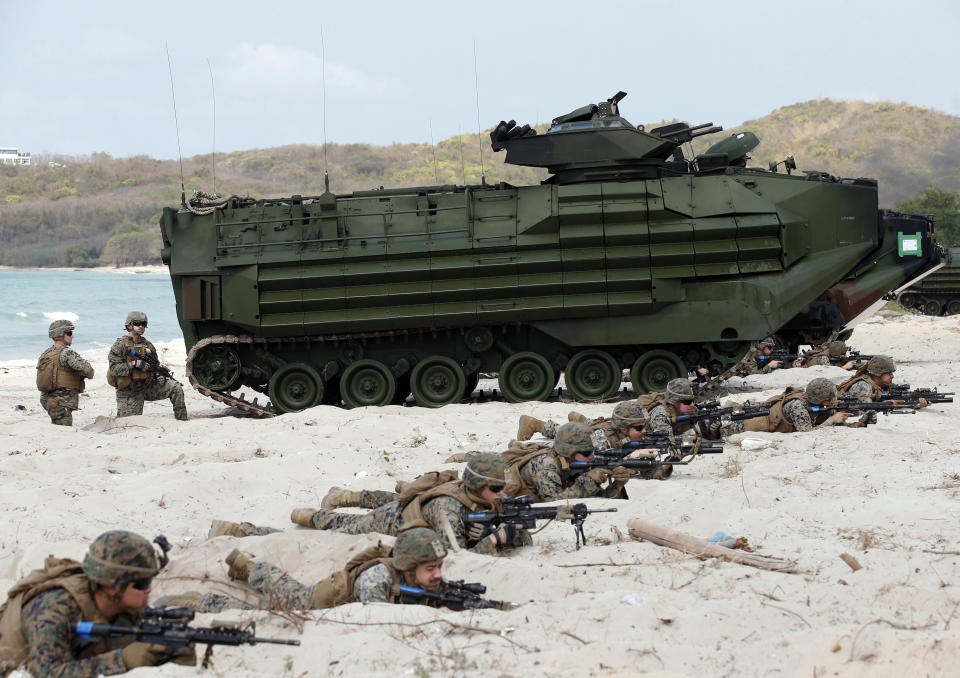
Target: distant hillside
x=100, y=209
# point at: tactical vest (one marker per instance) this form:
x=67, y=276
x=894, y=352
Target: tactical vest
x=338, y=588
x=56, y=573
x=517, y=455
x=775, y=422
x=52, y=375
x=411, y=502
x=139, y=349
x=650, y=400
x=810, y=359
x=861, y=375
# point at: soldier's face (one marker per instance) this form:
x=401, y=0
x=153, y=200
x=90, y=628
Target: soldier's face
x=580, y=456
x=686, y=406
x=68, y=337
x=766, y=350
x=137, y=328
x=488, y=495
x=429, y=575
x=886, y=378
x=135, y=597
x=637, y=433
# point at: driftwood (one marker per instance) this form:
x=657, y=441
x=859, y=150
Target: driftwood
x=642, y=530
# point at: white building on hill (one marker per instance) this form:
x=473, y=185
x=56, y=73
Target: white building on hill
x=13, y=156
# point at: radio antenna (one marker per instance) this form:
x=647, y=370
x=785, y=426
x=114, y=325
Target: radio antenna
x=176, y=123
x=476, y=89
x=436, y=172
x=463, y=169
x=323, y=81
x=213, y=93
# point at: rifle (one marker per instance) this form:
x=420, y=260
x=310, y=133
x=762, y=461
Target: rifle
x=711, y=411
x=931, y=395
x=169, y=626
x=455, y=595
x=855, y=356
x=855, y=407
x=661, y=441
x=520, y=512
x=153, y=364
x=786, y=358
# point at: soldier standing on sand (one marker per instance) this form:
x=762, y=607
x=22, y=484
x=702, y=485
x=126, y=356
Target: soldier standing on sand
x=60, y=374
x=130, y=358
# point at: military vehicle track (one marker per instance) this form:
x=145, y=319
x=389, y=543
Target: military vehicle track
x=267, y=410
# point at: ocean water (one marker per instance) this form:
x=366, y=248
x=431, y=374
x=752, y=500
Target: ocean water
x=97, y=302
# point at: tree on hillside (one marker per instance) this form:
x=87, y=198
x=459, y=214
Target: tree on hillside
x=132, y=247
x=945, y=208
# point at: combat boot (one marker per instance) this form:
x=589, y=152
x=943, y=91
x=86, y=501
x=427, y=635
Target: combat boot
x=223, y=528
x=303, y=516
x=576, y=416
x=240, y=565
x=528, y=426
x=338, y=497
x=189, y=600
x=456, y=458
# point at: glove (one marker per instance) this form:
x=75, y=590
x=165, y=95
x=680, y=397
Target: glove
x=621, y=475
x=145, y=654
x=861, y=422
x=475, y=531
x=599, y=475
x=505, y=534
x=187, y=656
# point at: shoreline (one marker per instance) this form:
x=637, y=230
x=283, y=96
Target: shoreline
x=148, y=268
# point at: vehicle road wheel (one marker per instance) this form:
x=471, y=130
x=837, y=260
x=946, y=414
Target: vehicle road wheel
x=217, y=367
x=932, y=307
x=592, y=375
x=437, y=381
x=367, y=383
x=908, y=300
x=654, y=369
x=295, y=387
x=526, y=376
x=953, y=307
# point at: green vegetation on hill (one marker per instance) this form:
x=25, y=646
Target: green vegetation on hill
x=103, y=210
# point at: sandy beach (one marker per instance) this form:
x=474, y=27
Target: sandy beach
x=886, y=495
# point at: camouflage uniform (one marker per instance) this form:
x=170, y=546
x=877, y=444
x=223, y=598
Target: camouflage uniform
x=543, y=474
x=661, y=418
x=480, y=471
x=865, y=387
x=48, y=618
x=796, y=411
x=375, y=584
x=130, y=398
x=61, y=402
x=754, y=366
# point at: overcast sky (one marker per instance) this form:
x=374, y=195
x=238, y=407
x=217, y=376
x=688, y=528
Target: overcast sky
x=81, y=77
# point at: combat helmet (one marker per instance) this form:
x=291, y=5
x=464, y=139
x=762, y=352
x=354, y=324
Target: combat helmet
x=837, y=349
x=483, y=470
x=880, y=364
x=628, y=413
x=820, y=390
x=768, y=342
x=135, y=315
x=573, y=437
x=60, y=327
x=417, y=546
x=677, y=390
x=118, y=557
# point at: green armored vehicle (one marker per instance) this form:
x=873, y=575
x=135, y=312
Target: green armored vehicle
x=630, y=256
x=939, y=292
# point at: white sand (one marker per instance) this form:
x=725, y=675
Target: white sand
x=888, y=495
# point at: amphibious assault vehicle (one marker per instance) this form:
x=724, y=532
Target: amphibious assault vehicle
x=939, y=292
x=631, y=255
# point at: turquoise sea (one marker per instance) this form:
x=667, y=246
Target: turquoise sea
x=97, y=301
